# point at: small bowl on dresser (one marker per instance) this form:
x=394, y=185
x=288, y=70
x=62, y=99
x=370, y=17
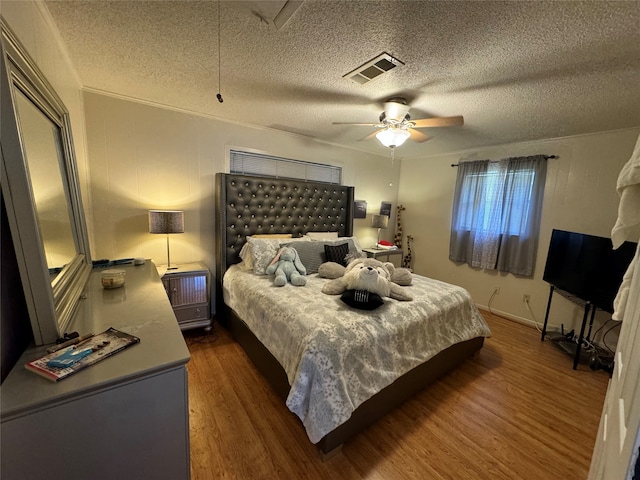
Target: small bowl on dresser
x=113, y=278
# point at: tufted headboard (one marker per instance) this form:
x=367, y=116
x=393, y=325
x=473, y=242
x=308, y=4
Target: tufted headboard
x=248, y=205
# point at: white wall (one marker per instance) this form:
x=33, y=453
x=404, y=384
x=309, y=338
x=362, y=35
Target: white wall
x=32, y=24
x=580, y=196
x=144, y=157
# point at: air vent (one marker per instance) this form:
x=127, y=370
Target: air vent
x=374, y=68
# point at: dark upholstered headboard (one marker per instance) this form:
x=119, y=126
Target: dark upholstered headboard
x=248, y=205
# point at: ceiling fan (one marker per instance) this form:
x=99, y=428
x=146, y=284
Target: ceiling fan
x=396, y=125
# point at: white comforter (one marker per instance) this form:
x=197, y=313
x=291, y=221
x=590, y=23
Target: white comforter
x=336, y=357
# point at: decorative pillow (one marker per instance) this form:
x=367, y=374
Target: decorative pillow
x=311, y=254
x=272, y=235
x=263, y=250
x=354, y=245
x=322, y=235
x=353, y=248
x=337, y=253
x=362, y=299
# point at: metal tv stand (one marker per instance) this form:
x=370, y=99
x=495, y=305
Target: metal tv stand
x=588, y=308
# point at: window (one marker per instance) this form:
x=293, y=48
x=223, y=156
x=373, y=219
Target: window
x=493, y=195
x=246, y=163
x=496, y=213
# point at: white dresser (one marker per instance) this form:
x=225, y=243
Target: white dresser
x=124, y=417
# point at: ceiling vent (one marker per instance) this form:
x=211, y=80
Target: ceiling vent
x=374, y=68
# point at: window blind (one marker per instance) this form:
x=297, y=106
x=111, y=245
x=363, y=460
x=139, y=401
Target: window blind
x=246, y=163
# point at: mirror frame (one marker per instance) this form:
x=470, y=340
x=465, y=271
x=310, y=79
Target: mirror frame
x=51, y=303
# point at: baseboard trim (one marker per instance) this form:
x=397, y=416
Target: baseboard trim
x=524, y=321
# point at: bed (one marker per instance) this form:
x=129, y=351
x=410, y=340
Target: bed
x=341, y=369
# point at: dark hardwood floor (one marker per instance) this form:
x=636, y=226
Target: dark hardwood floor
x=516, y=410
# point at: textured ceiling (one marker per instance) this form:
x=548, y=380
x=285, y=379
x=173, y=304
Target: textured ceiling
x=515, y=70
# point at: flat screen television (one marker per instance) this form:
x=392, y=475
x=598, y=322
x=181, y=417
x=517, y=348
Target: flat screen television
x=587, y=266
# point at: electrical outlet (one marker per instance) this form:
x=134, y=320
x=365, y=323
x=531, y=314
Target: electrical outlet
x=496, y=289
x=526, y=298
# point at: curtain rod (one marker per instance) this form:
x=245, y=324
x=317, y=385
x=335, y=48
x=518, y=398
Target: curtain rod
x=546, y=157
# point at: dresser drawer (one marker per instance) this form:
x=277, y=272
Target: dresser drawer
x=186, y=289
x=197, y=312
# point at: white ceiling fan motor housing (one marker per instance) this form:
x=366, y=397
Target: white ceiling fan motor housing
x=396, y=111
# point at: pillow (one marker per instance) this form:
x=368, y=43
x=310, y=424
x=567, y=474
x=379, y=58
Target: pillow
x=353, y=241
x=311, y=254
x=351, y=256
x=244, y=266
x=272, y=235
x=303, y=238
x=337, y=253
x=245, y=255
x=263, y=250
x=362, y=299
x=252, y=258
x=322, y=235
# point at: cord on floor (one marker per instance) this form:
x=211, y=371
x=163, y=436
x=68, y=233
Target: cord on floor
x=532, y=315
x=491, y=300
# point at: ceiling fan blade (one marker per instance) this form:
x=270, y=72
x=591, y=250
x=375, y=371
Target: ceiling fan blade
x=360, y=124
x=438, y=122
x=369, y=137
x=417, y=136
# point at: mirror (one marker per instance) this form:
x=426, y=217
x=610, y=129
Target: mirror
x=44, y=158
x=41, y=192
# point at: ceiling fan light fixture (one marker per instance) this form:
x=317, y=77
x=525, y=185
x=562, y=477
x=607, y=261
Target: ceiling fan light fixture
x=392, y=137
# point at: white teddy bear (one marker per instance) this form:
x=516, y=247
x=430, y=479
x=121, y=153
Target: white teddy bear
x=370, y=275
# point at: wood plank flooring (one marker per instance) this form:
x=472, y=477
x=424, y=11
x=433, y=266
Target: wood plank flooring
x=516, y=410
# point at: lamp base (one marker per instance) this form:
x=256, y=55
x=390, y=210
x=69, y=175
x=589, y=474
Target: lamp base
x=165, y=268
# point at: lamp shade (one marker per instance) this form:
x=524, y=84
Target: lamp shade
x=392, y=136
x=379, y=221
x=166, y=221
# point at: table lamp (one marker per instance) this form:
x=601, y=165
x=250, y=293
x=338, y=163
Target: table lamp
x=379, y=221
x=166, y=221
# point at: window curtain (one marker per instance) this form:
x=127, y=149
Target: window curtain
x=496, y=214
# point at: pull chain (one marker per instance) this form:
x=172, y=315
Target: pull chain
x=219, y=95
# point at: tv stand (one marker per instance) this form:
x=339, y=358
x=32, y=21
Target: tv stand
x=588, y=308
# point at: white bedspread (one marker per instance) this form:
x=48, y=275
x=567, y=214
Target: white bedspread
x=337, y=357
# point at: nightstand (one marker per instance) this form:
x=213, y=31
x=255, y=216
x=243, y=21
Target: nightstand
x=382, y=252
x=188, y=290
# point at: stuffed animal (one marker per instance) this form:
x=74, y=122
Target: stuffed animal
x=332, y=270
x=370, y=275
x=287, y=267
